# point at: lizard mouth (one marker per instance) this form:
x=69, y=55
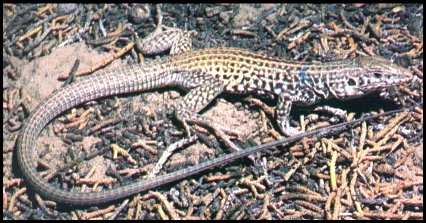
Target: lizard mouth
x=384, y=84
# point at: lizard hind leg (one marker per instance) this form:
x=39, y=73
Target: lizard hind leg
x=197, y=99
x=160, y=40
x=186, y=111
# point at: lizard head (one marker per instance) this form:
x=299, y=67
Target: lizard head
x=371, y=74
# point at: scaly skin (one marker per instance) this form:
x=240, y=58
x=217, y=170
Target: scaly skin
x=207, y=73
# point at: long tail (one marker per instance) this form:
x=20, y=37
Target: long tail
x=132, y=78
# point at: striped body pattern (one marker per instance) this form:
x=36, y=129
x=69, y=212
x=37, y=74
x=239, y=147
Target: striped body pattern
x=206, y=73
x=306, y=83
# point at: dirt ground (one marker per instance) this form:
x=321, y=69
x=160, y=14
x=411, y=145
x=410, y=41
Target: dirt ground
x=38, y=77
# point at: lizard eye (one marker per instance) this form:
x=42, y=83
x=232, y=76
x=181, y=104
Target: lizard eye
x=351, y=82
x=377, y=75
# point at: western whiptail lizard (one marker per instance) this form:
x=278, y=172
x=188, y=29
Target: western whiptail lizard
x=207, y=73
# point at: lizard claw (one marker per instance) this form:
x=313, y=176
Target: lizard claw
x=290, y=131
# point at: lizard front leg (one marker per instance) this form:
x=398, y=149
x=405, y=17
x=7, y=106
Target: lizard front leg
x=283, y=115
